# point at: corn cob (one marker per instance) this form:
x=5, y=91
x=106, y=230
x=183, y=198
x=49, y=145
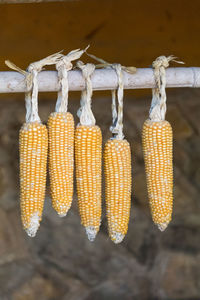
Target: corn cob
x=117, y=163
x=157, y=147
x=33, y=141
x=61, y=160
x=88, y=147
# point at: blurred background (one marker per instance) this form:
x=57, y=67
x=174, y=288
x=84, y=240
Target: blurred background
x=60, y=263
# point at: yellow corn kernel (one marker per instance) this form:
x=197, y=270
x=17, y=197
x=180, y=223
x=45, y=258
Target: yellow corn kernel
x=157, y=148
x=33, y=140
x=117, y=165
x=61, y=160
x=88, y=160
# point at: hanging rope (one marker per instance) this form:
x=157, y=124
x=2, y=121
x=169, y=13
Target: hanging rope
x=63, y=66
x=31, y=78
x=28, y=80
x=114, y=110
x=117, y=126
x=82, y=102
x=117, y=118
x=158, y=105
x=85, y=111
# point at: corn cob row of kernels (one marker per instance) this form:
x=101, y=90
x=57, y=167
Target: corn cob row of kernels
x=61, y=160
x=117, y=163
x=88, y=160
x=157, y=147
x=33, y=142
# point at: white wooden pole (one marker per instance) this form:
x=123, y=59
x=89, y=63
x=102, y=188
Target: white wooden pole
x=102, y=79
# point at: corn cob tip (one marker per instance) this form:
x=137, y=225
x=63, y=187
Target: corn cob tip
x=63, y=210
x=117, y=237
x=91, y=233
x=61, y=215
x=162, y=226
x=34, y=225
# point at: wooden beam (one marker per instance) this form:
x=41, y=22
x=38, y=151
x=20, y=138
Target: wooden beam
x=102, y=79
x=31, y=1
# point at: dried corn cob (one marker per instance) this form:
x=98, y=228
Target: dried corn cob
x=157, y=147
x=61, y=140
x=33, y=141
x=88, y=147
x=33, y=145
x=61, y=160
x=117, y=163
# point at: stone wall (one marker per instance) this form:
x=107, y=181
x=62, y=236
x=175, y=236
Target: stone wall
x=60, y=263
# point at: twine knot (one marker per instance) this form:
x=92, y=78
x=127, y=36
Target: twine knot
x=64, y=63
x=158, y=104
x=161, y=61
x=35, y=66
x=87, y=69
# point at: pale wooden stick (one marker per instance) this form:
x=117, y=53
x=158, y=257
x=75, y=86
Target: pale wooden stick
x=102, y=79
x=31, y=1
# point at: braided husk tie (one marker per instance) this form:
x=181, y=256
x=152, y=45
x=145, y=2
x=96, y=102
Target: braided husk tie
x=158, y=105
x=114, y=110
x=117, y=126
x=117, y=118
x=85, y=111
x=63, y=66
x=31, y=96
